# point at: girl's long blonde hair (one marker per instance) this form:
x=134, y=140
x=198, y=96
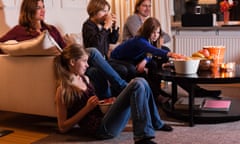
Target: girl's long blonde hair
x=63, y=74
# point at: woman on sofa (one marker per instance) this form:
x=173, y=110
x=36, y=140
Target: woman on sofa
x=31, y=24
x=77, y=103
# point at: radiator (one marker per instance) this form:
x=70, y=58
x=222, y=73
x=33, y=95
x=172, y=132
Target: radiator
x=189, y=44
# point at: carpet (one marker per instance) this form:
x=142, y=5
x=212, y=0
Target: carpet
x=221, y=133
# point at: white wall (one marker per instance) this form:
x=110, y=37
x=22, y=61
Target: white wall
x=67, y=15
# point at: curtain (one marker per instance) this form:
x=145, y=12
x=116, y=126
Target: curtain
x=122, y=9
x=163, y=10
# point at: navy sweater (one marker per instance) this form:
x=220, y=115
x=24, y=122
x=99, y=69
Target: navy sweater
x=135, y=50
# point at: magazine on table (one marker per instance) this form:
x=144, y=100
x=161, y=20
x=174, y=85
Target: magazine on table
x=216, y=105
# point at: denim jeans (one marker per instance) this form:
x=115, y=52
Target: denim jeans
x=137, y=101
x=102, y=74
x=100, y=84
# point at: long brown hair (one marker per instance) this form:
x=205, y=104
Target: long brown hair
x=27, y=15
x=95, y=6
x=62, y=72
x=149, y=26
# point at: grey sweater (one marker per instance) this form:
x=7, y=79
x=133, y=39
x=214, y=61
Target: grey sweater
x=132, y=25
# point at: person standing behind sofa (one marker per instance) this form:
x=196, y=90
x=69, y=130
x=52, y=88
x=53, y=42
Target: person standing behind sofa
x=142, y=11
x=77, y=103
x=100, y=29
x=31, y=24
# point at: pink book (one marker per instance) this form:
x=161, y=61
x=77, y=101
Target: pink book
x=216, y=105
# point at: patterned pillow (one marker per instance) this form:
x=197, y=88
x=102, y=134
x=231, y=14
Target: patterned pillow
x=44, y=44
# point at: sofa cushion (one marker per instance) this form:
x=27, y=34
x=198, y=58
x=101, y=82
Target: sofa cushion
x=28, y=85
x=44, y=44
x=73, y=38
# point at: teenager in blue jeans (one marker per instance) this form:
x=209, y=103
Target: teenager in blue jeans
x=101, y=74
x=77, y=103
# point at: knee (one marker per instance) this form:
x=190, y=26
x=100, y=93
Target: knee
x=92, y=51
x=139, y=81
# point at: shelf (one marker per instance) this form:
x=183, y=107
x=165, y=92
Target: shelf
x=206, y=117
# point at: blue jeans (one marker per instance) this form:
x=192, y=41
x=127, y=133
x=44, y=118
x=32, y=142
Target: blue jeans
x=137, y=101
x=101, y=74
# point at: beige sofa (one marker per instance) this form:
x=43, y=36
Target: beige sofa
x=27, y=85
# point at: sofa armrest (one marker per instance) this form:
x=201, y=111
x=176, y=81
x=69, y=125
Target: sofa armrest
x=27, y=85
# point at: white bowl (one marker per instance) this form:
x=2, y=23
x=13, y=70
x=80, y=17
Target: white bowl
x=189, y=66
x=104, y=106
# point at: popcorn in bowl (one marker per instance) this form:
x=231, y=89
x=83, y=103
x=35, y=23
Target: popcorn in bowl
x=105, y=104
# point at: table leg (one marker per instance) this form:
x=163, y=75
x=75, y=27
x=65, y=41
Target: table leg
x=191, y=103
x=174, y=94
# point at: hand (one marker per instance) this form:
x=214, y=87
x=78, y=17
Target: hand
x=92, y=102
x=108, y=21
x=114, y=20
x=141, y=66
x=176, y=56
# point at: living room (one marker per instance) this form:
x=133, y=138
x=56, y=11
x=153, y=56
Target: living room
x=68, y=17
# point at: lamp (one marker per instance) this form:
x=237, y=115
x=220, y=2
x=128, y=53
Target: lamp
x=207, y=2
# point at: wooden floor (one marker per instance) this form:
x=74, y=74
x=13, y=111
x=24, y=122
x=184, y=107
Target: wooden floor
x=27, y=128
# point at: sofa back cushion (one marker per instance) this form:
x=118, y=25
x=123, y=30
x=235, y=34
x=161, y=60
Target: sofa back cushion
x=73, y=38
x=44, y=44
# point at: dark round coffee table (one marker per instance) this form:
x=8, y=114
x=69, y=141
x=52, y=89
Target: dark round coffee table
x=202, y=77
